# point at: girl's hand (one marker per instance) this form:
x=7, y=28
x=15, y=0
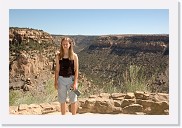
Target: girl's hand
x=74, y=86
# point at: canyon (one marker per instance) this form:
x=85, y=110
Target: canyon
x=108, y=64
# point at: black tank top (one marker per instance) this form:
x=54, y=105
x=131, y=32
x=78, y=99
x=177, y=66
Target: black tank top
x=66, y=67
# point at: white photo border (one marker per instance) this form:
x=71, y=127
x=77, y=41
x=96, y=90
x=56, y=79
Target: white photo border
x=171, y=119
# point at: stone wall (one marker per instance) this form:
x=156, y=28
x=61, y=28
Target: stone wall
x=138, y=103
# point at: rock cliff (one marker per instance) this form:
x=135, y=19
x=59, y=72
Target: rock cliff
x=32, y=54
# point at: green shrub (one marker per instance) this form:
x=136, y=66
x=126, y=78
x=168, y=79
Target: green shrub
x=17, y=97
x=135, y=79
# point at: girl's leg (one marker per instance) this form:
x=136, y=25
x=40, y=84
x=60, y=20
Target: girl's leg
x=73, y=108
x=63, y=108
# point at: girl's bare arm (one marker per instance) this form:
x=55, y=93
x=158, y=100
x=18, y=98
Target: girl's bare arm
x=56, y=71
x=76, y=66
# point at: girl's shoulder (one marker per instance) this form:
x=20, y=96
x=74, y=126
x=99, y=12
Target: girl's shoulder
x=75, y=55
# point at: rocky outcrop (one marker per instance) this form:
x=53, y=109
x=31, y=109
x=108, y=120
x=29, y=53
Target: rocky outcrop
x=138, y=103
x=27, y=64
x=32, y=54
x=27, y=70
x=18, y=36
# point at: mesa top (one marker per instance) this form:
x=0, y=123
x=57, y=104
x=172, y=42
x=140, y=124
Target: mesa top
x=66, y=67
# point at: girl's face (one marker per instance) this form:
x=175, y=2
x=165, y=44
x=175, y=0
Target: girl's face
x=65, y=44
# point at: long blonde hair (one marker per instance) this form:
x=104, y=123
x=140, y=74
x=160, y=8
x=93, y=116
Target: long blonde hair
x=70, y=51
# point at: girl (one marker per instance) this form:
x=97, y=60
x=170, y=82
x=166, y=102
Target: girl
x=66, y=74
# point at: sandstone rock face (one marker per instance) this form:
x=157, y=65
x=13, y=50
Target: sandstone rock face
x=32, y=55
x=18, y=36
x=105, y=105
x=25, y=71
x=27, y=65
x=132, y=109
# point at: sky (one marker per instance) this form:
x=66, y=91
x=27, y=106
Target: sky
x=92, y=21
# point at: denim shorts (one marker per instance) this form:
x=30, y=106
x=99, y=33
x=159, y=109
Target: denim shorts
x=64, y=85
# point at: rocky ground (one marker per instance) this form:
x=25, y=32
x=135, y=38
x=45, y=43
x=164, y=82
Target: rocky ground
x=104, y=103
